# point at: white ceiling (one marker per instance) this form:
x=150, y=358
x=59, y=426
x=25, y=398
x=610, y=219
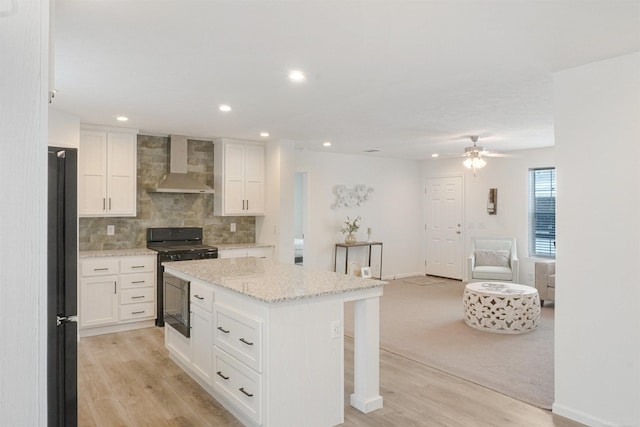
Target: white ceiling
x=407, y=77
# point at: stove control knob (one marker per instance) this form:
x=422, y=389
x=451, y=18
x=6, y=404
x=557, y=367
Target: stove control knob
x=174, y=257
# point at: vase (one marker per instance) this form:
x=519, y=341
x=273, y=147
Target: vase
x=350, y=239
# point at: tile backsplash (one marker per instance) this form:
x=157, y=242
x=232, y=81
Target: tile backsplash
x=167, y=209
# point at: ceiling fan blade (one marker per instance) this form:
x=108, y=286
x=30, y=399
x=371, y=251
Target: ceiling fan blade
x=490, y=154
x=449, y=155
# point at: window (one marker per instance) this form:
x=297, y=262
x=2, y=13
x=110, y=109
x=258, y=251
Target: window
x=542, y=212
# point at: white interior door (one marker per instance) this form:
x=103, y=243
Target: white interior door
x=443, y=227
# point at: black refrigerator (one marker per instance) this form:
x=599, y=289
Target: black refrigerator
x=62, y=251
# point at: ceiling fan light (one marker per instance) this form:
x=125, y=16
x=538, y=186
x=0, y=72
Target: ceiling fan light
x=474, y=162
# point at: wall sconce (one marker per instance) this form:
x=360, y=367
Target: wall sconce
x=492, y=202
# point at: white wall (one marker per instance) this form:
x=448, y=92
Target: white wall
x=394, y=210
x=510, y=177
x=23, y=234
x=597, y=351
x=64, y=129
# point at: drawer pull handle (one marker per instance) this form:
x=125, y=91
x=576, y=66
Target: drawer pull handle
x=246, y=342
x=245, y=392
x=137, y=266
x=137, y=297
x=101, y=269
x=138, y=312
x=199, y=297
x=220, y=328
x=220, y=374
x=138, y=281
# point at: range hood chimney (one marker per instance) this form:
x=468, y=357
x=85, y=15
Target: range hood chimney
x=177, y=180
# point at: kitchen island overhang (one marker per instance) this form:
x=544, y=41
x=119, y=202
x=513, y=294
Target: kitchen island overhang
x=279, y=329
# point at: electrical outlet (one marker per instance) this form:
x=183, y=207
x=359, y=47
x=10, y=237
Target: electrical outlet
x=233, y=227
x=111, y=230
x=335, y=329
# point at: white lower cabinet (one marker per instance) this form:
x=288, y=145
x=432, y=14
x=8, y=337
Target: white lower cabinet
x=98, y=301
x=239, y=384
x=258, y=252
x=201, y=337
x=178, y=345
x=116, y=293
x=239, y=334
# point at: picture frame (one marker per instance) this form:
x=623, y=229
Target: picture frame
x=366, y=272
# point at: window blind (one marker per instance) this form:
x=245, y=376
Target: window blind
x=542, y=212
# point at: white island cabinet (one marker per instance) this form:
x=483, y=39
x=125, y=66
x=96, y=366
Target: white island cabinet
x=277, y=354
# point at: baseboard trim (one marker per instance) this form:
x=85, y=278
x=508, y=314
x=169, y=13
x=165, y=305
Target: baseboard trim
x=579, y=416
x=402, y=276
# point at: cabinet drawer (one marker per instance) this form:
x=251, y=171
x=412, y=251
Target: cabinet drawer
x=202, y=296
x=138, y=311
x=239, y=335
x=99, y=266
x=135, y=296
x=137, y=280
x=259, y=252
x=239, y=384
x=137, y=264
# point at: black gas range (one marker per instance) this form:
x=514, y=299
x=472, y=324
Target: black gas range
x=176, y=244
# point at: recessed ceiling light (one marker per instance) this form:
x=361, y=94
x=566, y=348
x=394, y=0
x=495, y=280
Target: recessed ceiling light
x=122, y=118
x=327, y=143
x=264, y=134
x=296, y=75
x=224, y=107
x=435, y=155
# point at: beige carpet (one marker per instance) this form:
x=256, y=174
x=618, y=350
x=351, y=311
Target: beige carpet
x=421, y=319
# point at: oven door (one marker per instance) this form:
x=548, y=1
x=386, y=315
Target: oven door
x=176, y=303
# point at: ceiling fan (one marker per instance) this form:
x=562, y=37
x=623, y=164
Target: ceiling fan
x=474, y=155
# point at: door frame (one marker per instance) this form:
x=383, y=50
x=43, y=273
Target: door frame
x=463, y=226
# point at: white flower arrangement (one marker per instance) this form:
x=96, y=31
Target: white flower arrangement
x=351, y=226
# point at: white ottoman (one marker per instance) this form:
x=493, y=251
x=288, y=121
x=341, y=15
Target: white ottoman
x=505, y=308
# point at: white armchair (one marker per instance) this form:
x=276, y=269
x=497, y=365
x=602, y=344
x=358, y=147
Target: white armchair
x=546, y=281
x=493, y=259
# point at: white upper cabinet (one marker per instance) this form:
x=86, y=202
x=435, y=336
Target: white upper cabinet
x=239, y=177
x=107, y=172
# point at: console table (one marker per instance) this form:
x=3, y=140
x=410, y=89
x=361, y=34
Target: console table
x=347, y=246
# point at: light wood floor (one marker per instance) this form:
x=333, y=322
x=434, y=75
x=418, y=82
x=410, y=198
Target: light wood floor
x=127, y=379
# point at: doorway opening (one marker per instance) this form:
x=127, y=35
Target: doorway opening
x=299, y=216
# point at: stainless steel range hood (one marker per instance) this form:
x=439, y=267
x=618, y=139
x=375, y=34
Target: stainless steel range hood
x=177, y=180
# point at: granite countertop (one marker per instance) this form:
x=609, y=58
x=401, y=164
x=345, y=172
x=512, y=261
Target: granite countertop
x=268, y=281
x=116, y=252
x=241, y=245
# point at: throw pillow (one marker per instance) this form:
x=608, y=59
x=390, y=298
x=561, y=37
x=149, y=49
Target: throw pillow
x=491, y=257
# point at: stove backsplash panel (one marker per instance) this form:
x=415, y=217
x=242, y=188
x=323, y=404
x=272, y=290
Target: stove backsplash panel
x=167, y=209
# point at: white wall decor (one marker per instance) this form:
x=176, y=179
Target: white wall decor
x=351, y=197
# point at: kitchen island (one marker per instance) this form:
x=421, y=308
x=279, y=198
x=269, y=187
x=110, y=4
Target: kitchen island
x=267, y=339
